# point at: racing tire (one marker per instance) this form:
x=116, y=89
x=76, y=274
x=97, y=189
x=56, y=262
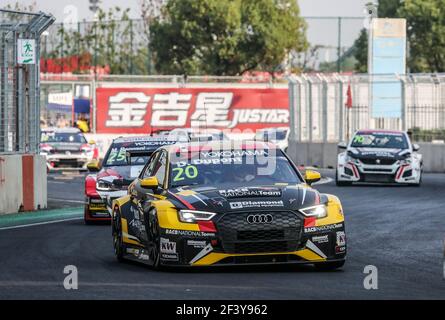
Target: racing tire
x=154, y=242
x=329, y=266
x=341, y=183
x=86, y=221
x=118, y=243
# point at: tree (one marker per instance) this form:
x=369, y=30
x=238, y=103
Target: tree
x=385, y=9
x=225, y=37
x=360, y=49
x=425, y=33
x=388, y=8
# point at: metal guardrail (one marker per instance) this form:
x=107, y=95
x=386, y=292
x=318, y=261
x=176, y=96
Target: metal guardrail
x=20, y=83
x=318, y=112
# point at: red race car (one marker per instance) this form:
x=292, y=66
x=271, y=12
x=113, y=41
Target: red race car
x=121, y=165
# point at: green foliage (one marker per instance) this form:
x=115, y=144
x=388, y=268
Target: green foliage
x=109, y=41
x=388, y=8
x=225, y=37
x=426, y=34
x=360, y=50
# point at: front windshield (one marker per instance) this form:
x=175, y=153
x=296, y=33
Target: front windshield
x=62, y=137
x=379, y=140
x=117, y=157
x=232, y=167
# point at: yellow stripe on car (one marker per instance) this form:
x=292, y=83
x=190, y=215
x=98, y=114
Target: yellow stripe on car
x=214, y=257
x=125, y=236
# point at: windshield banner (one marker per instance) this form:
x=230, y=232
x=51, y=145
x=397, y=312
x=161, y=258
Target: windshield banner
x=145, y=110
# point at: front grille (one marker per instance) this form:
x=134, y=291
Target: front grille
x=71, y=152
x=383, y=162
x=265, y=246
x=281, y=235
x=377, y=170
x=257, y=235
x=378, y=178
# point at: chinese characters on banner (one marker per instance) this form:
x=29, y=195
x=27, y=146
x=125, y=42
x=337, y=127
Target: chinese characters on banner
x=139, y=111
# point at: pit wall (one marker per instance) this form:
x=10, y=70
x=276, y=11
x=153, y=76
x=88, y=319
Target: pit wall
x=324, y=155
x=23, y=183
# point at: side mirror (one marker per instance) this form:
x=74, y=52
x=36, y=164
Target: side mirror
x=342, y=145
x=416, y=147
x=312, y=176
x=91, y=142
x=149, y=183
x=93, y=166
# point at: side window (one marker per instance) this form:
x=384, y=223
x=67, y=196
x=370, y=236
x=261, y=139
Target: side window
x=149, y=169
x=160, y=167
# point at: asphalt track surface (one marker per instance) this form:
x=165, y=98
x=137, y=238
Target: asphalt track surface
x=400, y=230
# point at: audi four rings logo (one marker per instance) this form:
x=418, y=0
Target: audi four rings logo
x=259, y=218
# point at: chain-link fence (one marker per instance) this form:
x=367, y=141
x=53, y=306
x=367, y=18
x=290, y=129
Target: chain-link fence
x=122, y=47
x=320, y=112
x=19, y=80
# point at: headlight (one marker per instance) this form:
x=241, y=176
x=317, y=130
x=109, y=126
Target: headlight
x=405, y=161
x=351, y=157
x=193, y=216
x=102, y=185
x=318, y=211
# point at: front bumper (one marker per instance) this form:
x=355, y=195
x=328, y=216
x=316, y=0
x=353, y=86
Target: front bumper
x=315, y=244
x=58, y=160
x=98, y=207
x=395, y=173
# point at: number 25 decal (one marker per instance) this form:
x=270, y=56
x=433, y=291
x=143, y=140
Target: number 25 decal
x=191, y=172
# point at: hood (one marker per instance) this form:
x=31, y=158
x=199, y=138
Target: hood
x=126, y=173
x=242, y=199
x=382, y=153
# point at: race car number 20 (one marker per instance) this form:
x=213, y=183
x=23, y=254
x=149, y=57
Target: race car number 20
x=191, y=172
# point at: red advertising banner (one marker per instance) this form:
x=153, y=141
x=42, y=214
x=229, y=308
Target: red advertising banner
x=145, y=110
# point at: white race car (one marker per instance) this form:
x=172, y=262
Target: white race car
x=379, y=156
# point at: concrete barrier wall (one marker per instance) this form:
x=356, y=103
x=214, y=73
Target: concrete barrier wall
x=23, y=183
x=11, y=192
x=40, y=183
x=324, y=155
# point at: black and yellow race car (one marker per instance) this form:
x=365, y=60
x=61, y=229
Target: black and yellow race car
x=216, y=205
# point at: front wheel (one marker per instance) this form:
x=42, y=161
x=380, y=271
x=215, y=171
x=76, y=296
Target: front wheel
x=117, y=235
x=329, y=266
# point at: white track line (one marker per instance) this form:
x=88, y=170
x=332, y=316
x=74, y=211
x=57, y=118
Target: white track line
x=40, y=223
x=64, y=200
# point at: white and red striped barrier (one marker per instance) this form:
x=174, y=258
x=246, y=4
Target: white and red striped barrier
x=23, y=183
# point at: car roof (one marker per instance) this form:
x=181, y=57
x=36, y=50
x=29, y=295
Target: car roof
x=61, y=130
x=380, y=131
x=160, y=138
x=220, y=146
